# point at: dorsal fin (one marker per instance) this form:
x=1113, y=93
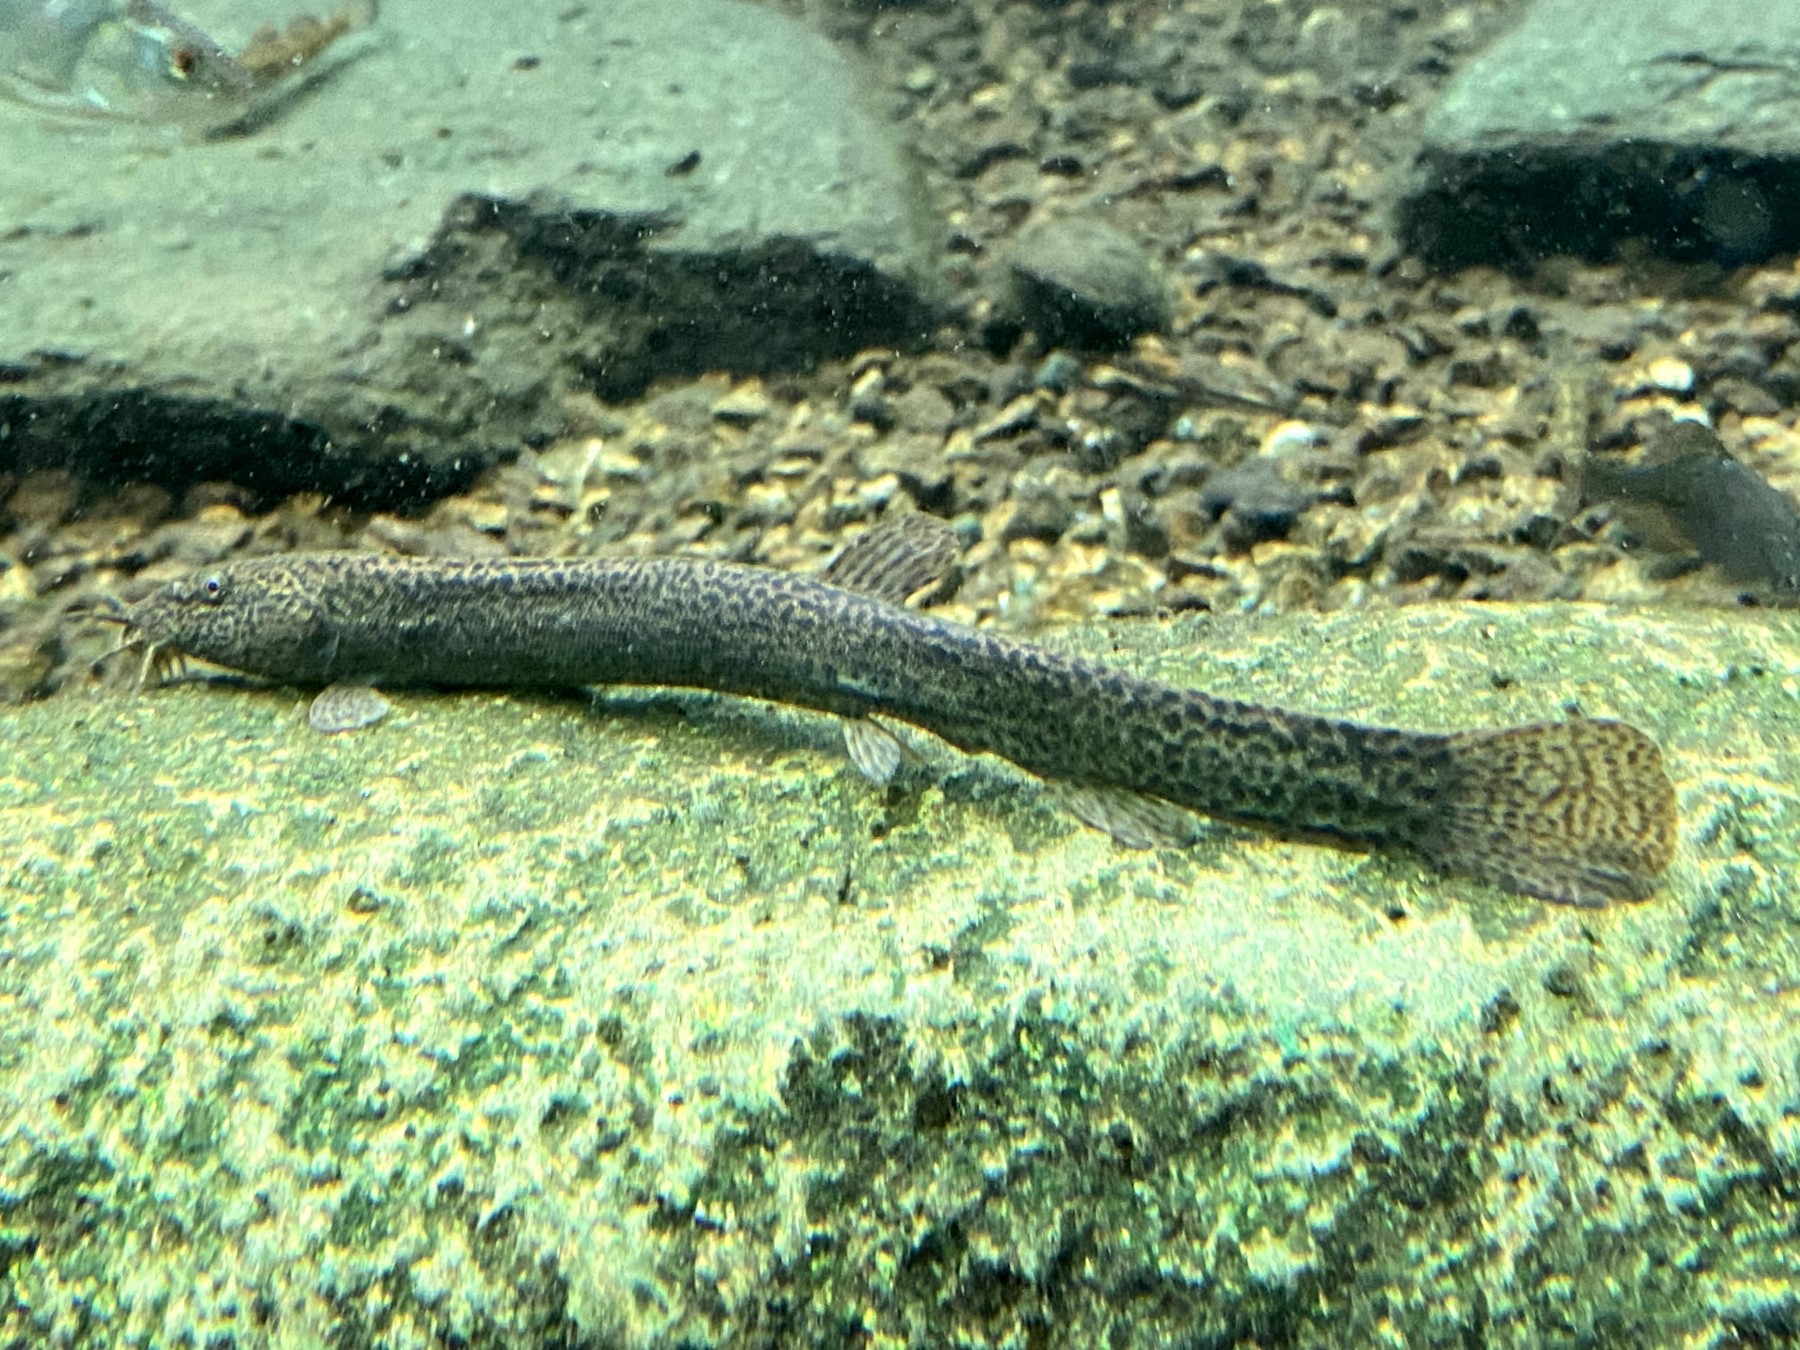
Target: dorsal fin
x=901, y=555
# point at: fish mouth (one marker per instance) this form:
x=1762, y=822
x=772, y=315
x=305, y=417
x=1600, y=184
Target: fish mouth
x=160, y=659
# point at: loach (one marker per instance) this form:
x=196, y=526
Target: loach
x=1579, y=812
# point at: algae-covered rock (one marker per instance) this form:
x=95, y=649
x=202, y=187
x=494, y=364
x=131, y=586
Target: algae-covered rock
x=519, y=1021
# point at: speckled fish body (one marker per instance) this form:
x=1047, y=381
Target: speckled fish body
x=1579, y=812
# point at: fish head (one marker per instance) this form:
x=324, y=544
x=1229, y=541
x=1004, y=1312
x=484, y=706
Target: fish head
x=151, y=65
x=251, y=616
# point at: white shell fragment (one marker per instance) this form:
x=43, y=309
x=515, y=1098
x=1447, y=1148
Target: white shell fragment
x=347, y=707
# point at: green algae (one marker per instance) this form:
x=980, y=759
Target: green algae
x=645, y=1021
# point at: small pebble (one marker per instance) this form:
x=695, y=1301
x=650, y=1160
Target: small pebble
x=1019, y=415
x=744, y=406
x=1675, y=376
x=1058, y=373
x=1287, y=438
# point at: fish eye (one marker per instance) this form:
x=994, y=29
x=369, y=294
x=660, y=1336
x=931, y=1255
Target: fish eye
x=213, y=589
x=184, y=60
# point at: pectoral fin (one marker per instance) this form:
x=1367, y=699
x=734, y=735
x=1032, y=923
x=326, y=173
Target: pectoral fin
x=872, y=749
x=1133, y=819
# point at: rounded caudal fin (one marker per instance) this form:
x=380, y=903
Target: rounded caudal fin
x=1577, y=812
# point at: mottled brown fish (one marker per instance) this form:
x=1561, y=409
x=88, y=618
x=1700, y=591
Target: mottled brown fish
x=1579, y=812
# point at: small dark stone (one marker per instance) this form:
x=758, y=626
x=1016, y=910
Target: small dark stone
x=1039, y=512
x=1145, y=535
x=1488, y=371
x=1563, y=980
x=1102, y=449
x=1420, y=342
x=1617, y=345
x=925, y=408
x=1080, y=283
x=913, y=458
x=1484, y=465
x=1746, y=399
x=1201, y=176
x=1500, y=1013
x=1538, y=530
x=873, y=409
x=1521, y=325
x=1742, y=361
x=1379, y=95
x=1255, y=502
x=1389, y=432
x=1058, y=372
x=1006, y=137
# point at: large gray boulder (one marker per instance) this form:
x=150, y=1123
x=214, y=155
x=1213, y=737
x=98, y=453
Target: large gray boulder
x=478, y=209
x=1595, y=121
x=518, y=1021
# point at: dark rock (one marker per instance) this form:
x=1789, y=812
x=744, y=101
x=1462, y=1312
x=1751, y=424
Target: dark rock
x=925, y=408
x=1425, y=553
x=1394, y=429
x=1006, y=136
x=1522, y=325
x=1081, y=283
x=1483, y=370
x=913, y=458
x=1058, y=373
x=1038, y=509
x=1144, y=533
x=1254, y=501
x=1526, y=155
x=1746, y=399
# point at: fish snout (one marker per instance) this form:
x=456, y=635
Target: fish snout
x=142, y=633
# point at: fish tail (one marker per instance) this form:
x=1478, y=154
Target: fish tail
x=1578, y=812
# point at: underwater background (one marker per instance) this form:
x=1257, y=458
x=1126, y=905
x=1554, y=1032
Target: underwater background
x=1429, y=364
